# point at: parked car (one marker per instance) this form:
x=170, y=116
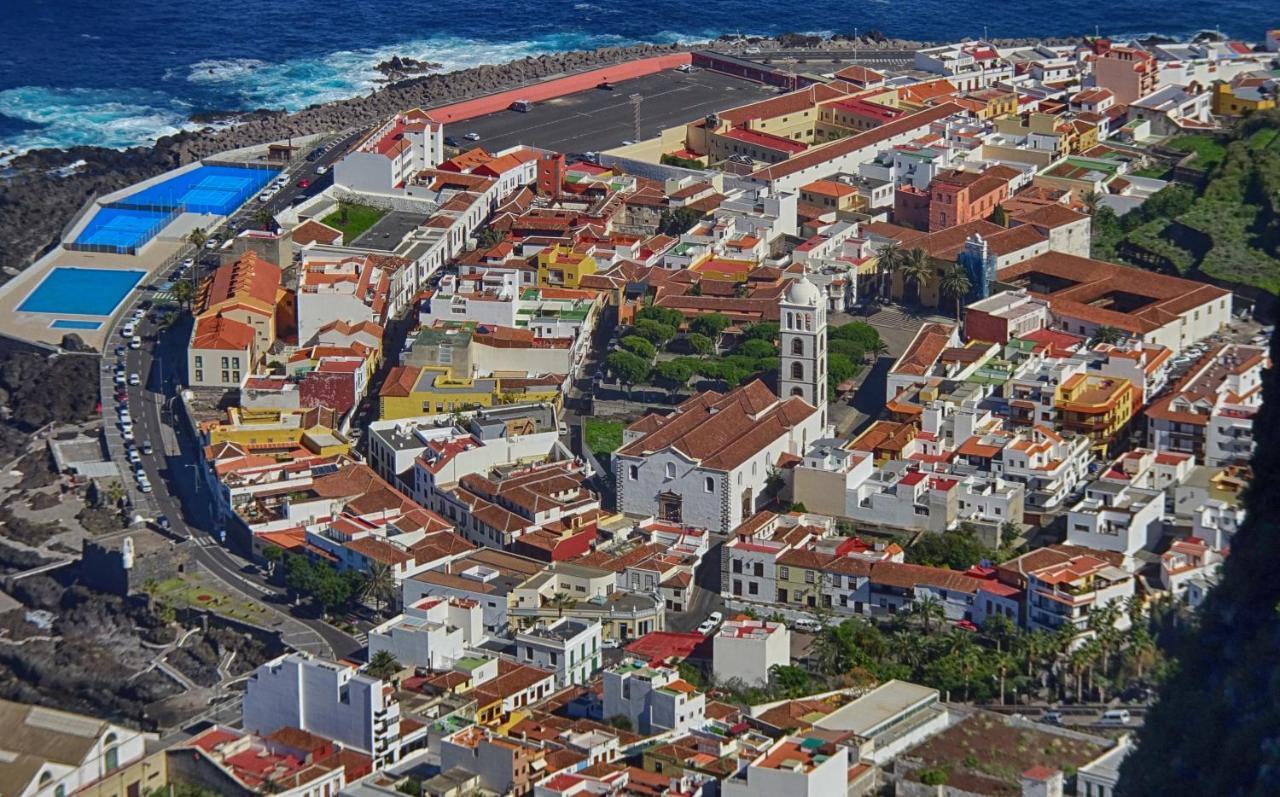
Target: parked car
x=715, y=617
x=808, y=626
x=135, y=342
x=146, y=447
x=1051, y=717
x=1115, y=716
x=134, y=380
x=321, y=169
x=304, y=183
x=450, y=141
x=472, y=136
x=706, y=628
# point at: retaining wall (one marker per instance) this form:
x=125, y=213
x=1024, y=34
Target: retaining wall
x=558, y=87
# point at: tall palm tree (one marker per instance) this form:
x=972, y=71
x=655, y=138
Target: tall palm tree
x=198, y=237
x=378, y=584
x=956, y=284
x=888, y=262
x=1004, y=662
x=916, y=269
x=1091, y=200
x=383, y=664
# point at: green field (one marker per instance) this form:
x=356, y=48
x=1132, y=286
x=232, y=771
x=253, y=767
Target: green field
x=183, y=593
x=603, y=437
x=1208, y=149
x=359, y=219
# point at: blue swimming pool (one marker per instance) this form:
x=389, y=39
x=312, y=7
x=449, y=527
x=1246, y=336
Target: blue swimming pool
x=206, y=189
x=71, y=323
x=69, y=290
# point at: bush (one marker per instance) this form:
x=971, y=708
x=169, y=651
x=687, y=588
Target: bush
x=603, y=437
x=756, y=349
x=638, y=346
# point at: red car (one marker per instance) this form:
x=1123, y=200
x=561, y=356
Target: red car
x=304, y=183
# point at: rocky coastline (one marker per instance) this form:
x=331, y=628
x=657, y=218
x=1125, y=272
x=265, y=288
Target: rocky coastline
x=36, y=203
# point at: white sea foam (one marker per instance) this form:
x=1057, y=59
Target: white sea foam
x=73, y=117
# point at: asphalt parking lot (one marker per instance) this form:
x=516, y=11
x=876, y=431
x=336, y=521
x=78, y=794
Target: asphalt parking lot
x=389, y=231
x=598, y=119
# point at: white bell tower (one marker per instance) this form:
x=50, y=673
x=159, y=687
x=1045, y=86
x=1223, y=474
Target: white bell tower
x=803, y=335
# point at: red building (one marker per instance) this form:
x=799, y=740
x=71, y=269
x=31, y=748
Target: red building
x=911, y=207
x=957, y=197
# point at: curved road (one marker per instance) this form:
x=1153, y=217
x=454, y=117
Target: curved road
x=179, y=492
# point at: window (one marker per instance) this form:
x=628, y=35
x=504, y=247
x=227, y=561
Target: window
x=199, y=361
x=709, y=484
x=753, y=588
x=226, y=376
x=784, y=572
x=808, y=576
x=633, y=472
x=797, y=370
x=736, y=565
x=199, y=375
x=797, y=346
x=671, y=470
x=224, y=362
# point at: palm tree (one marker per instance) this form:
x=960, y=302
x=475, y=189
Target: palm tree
x=185, y=294
x=888, y=262
x=383, y=665
x=264, y=218
x=956, y=284
x=1091, y=199
x=1105, y=334
x=379, y=584
x=1003, y=663
x=880, y=349
x=197, y=237
x=930, y=608
x=1000, y=630
x=344, y=210
x=916, y=269
x=115, y=492
x=562, y=601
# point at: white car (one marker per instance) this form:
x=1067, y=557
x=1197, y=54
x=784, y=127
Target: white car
x=212, y=244
x=706, y=628
x=135, y=342
x=188, y=262
x=127, y=434
x=321, y=169
x=472, y=136
x=264, y=197
x=144, y=486
x=134, y=380
x=715, y=617
x=808, y=626
x=127, y=330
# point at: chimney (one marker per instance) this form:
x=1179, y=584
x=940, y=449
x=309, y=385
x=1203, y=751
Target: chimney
x=1041, y=781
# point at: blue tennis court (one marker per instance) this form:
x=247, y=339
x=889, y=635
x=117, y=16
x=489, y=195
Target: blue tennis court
x=206, y=189
x=68, y=290
x=122, y=229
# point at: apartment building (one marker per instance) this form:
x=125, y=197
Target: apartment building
x=1064, y=583
x=289, y=762
x=805, y=767
x=1189, y=569
x=221, y=354
x=505, y=765
x=432, y=632
x=747, y=650
x=569, y=647
x=248, y=291
x=1209, y=412
x=1127, y=72
x=331, y=700
x=653, y=697
x=353, y=286
x=389, y=155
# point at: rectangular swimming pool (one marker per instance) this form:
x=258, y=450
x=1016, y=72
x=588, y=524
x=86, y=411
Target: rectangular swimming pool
x=206, y=189
x=69, y=290
x=71, y=323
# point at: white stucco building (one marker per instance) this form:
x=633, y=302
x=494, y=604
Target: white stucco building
x=325, y=698
x=655, y=699
x=568, y=646
x=431, y=633
x=748, y=649
x=404, y=145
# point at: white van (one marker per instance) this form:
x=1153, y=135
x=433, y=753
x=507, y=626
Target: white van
x=1115, y=716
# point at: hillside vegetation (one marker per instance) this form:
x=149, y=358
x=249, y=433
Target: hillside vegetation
x=1229, y=232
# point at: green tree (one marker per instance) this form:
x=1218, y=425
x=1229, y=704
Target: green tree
x=273, y=555
x=709, y=324
x=764, y=330
x=198, y=237
x=655, y=332
x=699, y=344
x=184, y=292
x=628, y=368
x=639, y=346
x=488, y=238
x=264, y=218
x=673, y=374
x=663, y=315
x=957, y=550
x=344, y=210
x=1105, y=334
x=890, y=260
x=791, y=681
x=956, y=284
x=916, y=269
x=1000, y=216
x=1091, y=201
x=929, y=610
x=621, y=721
x=756, y=348
x=378, y=584
x=383, y=665
x=839, y=368
x=678, y=221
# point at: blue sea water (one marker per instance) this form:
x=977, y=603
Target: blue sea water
x=123, y=73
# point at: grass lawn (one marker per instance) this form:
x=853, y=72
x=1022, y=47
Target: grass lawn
x=359, y=219
x=603, y=437
x=1157, y=172
x=1209, y=150
x=180, y=592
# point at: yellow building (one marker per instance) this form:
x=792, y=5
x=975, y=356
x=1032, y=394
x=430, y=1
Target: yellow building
x=990, y=103
x=248, y=290
x=799, y=579
x=562, y=266
x=1245, y=94
x=264, y=430
x=410, y=391
x=1099, y=407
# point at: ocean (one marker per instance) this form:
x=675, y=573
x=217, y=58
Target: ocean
x=123, y=73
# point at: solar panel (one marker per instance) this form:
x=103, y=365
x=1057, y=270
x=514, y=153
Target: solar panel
x=322, y=470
